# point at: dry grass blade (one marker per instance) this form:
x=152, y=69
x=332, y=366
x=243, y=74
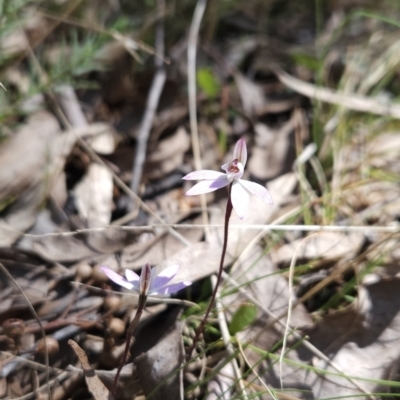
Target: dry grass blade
x=227, y=339
x=350, y=101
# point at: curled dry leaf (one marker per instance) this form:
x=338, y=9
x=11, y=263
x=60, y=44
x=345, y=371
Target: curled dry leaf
x=101, y=137
x=260, y=277
x=82, y=245
x=270, y=156
x=384, y=150
x=220, y=387
x=94, y=384
x=168, y=155
x=93, y=196
x=251, y=94
x=43, y=149
x=357, y=339
x=159, y=248
x=325, y=245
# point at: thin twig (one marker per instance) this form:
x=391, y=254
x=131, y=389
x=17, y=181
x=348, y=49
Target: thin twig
x=156, y=89
x=264, y=229
x=227, y=338
x=243, y=354
x=129, y=333
x=290, y=303
x=42, y=332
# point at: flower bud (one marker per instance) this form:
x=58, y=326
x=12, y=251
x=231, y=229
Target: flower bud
x=14, y=328
x=83, y=271
x=51, y=344
x=116, y=327
x=111, y=302
x=145, y=280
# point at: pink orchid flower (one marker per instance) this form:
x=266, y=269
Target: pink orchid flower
x=148, y=283
x=214, y=180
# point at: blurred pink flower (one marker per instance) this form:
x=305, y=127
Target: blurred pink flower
x=148, y=283
x=214, y=180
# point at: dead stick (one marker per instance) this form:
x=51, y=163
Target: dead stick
x=156, y=89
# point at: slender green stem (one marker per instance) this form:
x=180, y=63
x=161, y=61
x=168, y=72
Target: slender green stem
x=129, y=332
x=200, y=329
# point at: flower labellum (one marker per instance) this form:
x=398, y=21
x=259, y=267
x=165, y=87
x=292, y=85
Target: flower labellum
x=241, y=188
x=148, y=283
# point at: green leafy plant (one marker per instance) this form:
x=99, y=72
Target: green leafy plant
x=208, y=82
x=242, y=318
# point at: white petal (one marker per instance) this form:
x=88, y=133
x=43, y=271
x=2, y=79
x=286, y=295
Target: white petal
x=170, y=271
x=208, y=186
x=240, y=152
x=257, y=190
x=240, y=199
x=118, y=279
x=203, y=174
x=163, y=278
x=131, y=276
x=174, y=287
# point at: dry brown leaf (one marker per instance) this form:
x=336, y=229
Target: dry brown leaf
x=384, y=150
x=269, y=287
x=3, y=387
x=363, y=340
x=270, y=154
x=167, y=119
x=159, y=248
x=94, y=384
x=272, y=293
x=325, y=245
x=251, y=94
x=168, y=155
x=220, y=387
x=15, y=43
x=31, y=143
x=197, y=261
x=239, y=49
x=43, y=149
x=80, y=246
x=100, y=136
x=93, y=195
